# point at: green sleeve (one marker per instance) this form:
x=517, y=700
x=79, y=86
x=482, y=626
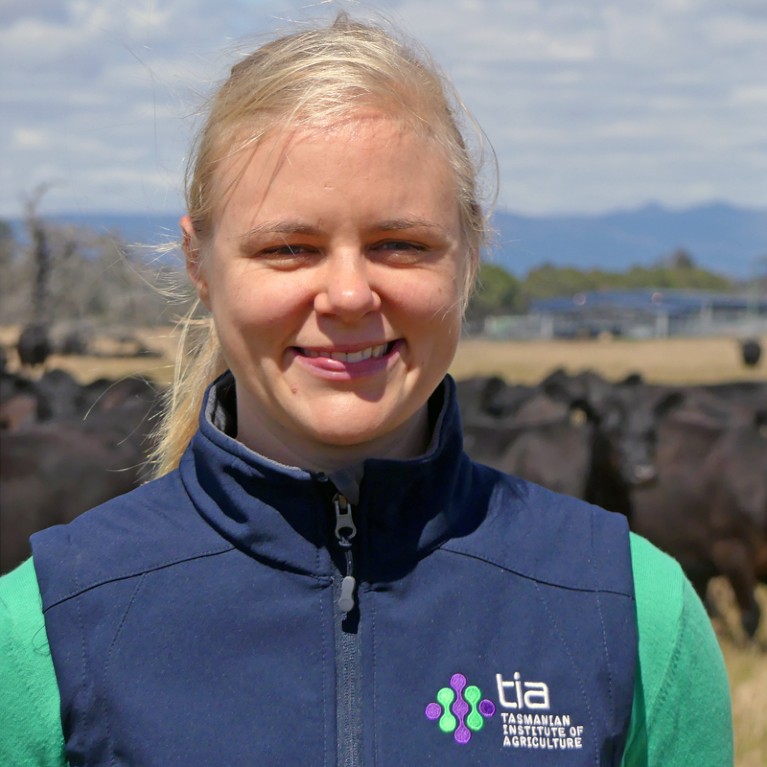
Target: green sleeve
x=30, y=719
x=681, y=713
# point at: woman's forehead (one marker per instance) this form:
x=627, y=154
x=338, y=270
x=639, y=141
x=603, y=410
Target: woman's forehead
x=262, y=159
x=372, y=121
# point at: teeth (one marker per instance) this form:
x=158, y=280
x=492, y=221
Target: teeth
x=363, y=354
x=359, y=356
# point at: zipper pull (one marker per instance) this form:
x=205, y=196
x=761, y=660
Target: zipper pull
x=346, y=600
x=345, y=532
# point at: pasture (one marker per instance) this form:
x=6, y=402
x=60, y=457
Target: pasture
x=672, y=361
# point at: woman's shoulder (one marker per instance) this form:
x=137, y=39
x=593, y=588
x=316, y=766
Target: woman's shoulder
x=30, y=724
x=20, y=606
x=151, y=527
x=659, y=584
x=568, y=542
x=682, y=700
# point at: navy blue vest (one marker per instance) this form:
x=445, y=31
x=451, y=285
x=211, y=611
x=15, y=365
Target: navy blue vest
x=196, y=620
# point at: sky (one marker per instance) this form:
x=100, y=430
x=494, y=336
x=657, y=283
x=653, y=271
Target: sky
x=590, y=105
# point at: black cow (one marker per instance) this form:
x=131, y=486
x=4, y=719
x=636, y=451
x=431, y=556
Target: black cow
x=58, y=394
x=620, y=435
x=509, y=427
x=730, y=395
x=34, y=345
x=489, y=439
x=751, y=352
x=557, y=454
x=491, y=396
x=54, y=470
x=580, y=435
x=708, y=508
x=18, y=411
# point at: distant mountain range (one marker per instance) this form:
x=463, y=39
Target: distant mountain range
x=720, y=237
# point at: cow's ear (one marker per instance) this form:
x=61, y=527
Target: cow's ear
x=193, y=258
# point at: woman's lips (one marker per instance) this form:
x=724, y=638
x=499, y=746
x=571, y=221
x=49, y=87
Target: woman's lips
x=358, y=362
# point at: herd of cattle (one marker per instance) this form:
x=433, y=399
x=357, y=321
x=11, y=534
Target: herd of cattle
x=66, y=447
x=687, y=465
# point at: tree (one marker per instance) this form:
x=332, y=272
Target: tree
x=7, y=245
x=41, y=255
x=680, y=259
x=77, y=277
x=497, y=292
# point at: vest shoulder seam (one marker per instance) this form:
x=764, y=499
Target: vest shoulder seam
x=449, y=549
x=81, y=589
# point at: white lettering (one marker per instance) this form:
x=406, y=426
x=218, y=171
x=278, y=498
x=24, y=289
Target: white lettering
x=536, y=695
x=539, y=731
x=504, y=687
x=517, y=694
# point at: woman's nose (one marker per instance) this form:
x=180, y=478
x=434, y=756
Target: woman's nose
x=347, y=291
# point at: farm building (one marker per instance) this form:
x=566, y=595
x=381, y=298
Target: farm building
x=637, y=314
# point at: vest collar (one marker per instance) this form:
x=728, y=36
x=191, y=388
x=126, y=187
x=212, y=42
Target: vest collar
x=284, y=515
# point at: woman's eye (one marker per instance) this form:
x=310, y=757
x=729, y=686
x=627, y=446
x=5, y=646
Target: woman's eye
x=400, y=252
x=286, y=252
x=401, y=245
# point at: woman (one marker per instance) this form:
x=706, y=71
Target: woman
x=319, y=575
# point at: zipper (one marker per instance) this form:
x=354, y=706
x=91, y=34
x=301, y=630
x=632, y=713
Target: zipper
x=348, y=648
x=346, y=530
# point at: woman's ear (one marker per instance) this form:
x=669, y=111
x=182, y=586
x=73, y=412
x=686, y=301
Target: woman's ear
x=193, y=259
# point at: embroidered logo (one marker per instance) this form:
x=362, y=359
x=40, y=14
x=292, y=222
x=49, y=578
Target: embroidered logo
x=460, y=710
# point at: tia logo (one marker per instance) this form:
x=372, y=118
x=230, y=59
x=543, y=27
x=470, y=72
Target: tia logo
x=460, y=709
x=523, y=694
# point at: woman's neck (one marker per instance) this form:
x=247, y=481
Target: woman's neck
x=279, y=444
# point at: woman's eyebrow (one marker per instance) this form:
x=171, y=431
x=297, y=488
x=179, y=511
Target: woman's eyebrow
x=399, y=224
x=292, y=227
x=279, y=227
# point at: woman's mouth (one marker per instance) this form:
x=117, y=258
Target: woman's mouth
x=369, y=352
x=346, y=365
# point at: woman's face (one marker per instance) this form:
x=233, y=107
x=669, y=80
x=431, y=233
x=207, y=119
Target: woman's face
x=333, y=274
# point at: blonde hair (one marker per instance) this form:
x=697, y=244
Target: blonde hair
x=311, y=78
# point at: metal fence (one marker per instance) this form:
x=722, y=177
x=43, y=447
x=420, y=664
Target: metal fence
x=636, y=314
x=540, y=325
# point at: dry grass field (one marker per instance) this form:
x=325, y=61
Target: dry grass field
x=671, y=360
x=678, y=361
x=107, y=362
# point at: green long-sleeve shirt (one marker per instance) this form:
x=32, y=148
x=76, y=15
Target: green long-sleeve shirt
x=681, y=712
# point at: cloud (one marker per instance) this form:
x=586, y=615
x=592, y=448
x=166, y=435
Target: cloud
x=646, y=88
x=589, y=105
